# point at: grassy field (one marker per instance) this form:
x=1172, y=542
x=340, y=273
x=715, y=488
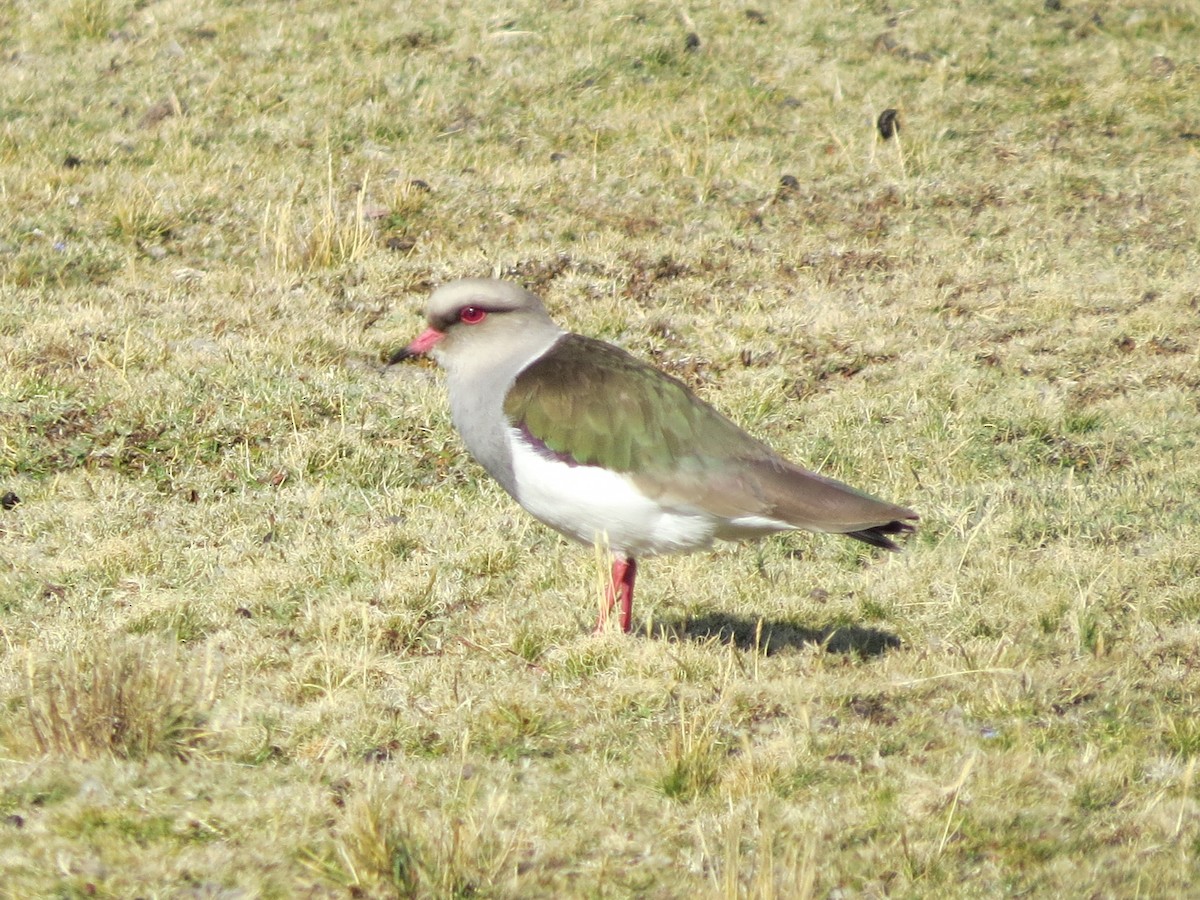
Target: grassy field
x=267, y=631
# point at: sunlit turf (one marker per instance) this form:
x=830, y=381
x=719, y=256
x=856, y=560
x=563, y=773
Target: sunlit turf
x=268, y=631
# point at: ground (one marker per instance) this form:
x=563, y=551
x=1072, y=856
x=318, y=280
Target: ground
x=268, y=631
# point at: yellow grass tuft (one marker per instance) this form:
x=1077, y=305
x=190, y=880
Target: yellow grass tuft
x=330, y=237
x=92, y=19
x=132, y=699
x=384, y=845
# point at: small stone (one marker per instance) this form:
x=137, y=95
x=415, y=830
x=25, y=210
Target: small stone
x=888, y=123
x=163, y=109
x=1162, y=67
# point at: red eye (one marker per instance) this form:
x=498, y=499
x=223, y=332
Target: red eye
x=472, y=315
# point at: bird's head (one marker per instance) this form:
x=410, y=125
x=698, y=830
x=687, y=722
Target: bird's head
x=473, y=320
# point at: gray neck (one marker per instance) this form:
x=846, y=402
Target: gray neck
x=478, y=386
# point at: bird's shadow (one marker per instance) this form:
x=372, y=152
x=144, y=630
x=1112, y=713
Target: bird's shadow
x=771, y=636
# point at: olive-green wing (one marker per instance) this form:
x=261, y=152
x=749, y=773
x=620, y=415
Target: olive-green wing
x=592, y=404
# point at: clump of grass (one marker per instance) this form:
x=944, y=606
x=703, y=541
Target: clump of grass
x=140, y=217
x=407, y=204
x=587, y=660
x=512, y=730
x=132, y=700
x=694, y=756
x=1182, y=735
x=41, y=264
x=185, y=621
x=382, y=848
x=778, y=863
x=331, y=238
x=90, y=19
x=530, y=643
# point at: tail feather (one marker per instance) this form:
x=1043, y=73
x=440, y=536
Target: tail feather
x=877, y=536
x=809, y=500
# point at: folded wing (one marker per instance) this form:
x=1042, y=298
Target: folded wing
x=591, y=404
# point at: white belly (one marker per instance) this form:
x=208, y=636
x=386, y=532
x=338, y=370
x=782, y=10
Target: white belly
x=594, y=505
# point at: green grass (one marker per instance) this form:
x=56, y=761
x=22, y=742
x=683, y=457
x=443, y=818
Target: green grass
x=268, y=631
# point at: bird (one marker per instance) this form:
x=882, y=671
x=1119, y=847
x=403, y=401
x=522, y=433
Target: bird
x=608, y=450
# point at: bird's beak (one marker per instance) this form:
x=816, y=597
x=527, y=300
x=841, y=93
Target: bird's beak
x=419, y=347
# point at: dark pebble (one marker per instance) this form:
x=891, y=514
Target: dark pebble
x=889, y=123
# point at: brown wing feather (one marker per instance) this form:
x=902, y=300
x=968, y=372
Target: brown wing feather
x=808, y=500
x=770, y=487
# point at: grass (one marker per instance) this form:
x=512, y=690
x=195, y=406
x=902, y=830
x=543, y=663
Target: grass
x=267, y=631
x=126, y=701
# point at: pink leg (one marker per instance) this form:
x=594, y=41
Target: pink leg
x=624, y=571
x=628, y=572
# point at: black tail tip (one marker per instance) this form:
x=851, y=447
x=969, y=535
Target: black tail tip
x=878, y=536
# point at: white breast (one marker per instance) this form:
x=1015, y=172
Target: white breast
x=592, y=505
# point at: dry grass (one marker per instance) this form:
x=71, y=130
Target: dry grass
x=214, y=219
x=128, y=700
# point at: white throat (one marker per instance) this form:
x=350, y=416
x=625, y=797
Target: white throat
x=478, y=386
